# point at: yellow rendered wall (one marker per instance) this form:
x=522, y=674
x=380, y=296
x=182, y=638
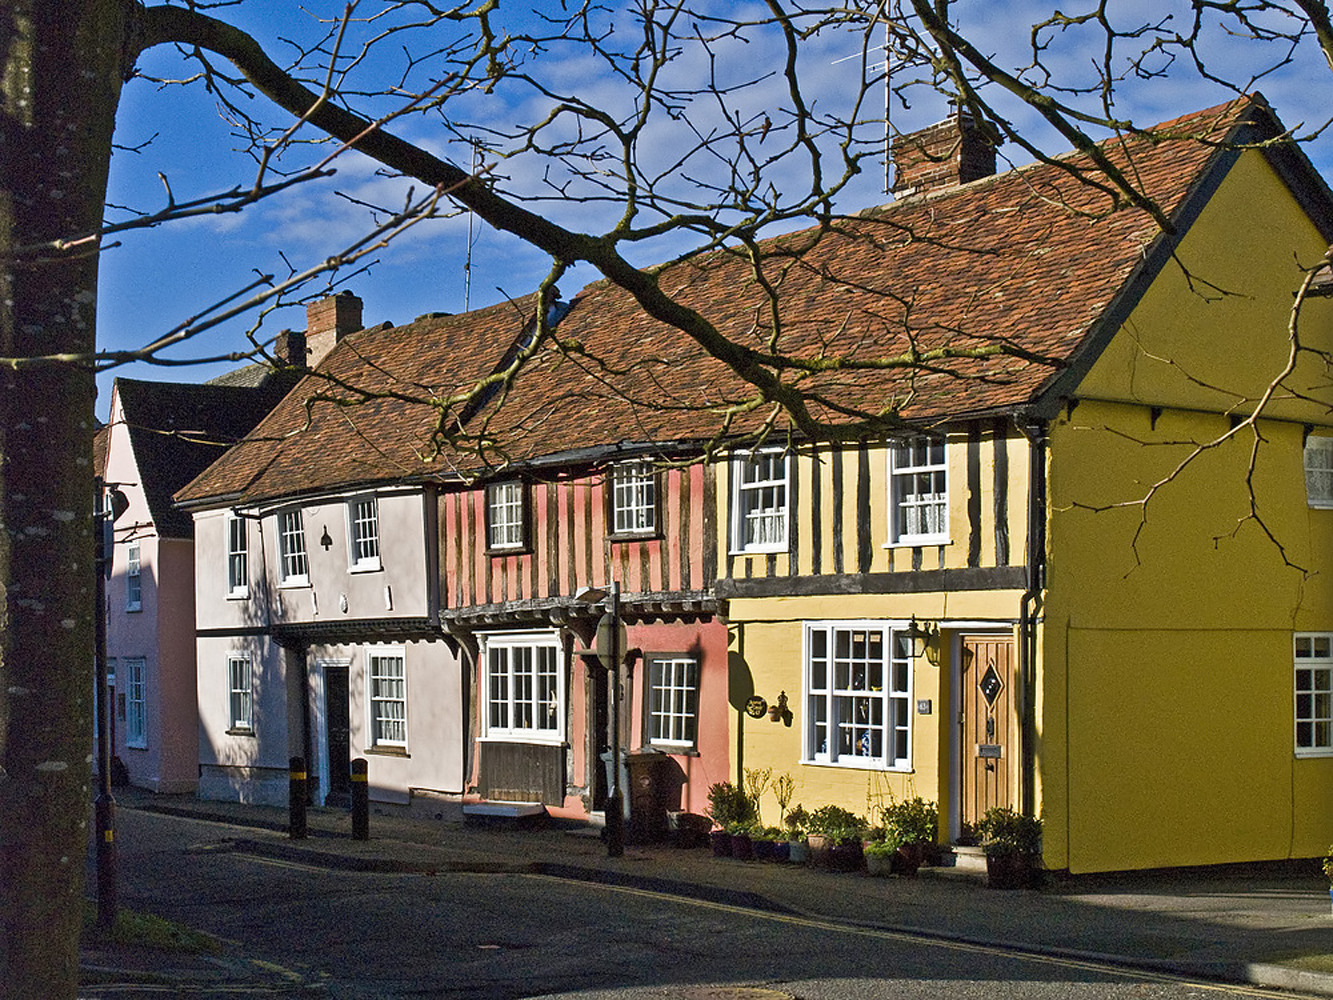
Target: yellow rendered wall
x=838, y=476
x=1166, y=693
x=1165, y=701
x=1211, y=332
x=766, y=659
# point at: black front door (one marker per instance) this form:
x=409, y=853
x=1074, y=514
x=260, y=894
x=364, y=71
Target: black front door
x=339, y=737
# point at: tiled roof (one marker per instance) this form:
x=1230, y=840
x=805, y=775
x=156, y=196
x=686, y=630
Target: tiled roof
x=367, y=413
x=178, y=430
x=1030, y=258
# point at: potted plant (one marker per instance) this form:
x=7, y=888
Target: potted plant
x=880, y=855
x=796, y=821
x=910, y=826
x=835, y=839
x=1012, y=843
x=730, y=809
x=742, y=841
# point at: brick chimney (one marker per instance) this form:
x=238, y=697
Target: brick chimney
x=327, y=321
x=289, y=348
x=944, y=155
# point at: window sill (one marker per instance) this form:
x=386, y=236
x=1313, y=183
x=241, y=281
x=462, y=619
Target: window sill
x=918, y=543
x=632, y=536
x=765, y=550
x=515, y=550
x=247, y=731
x=240, y=595
x=296, y=583
x=136, y=609
x=671, y=750
x=854, y=764
x=365, y=568
x=386, y=751
x=1314, y=753
x=530, y=738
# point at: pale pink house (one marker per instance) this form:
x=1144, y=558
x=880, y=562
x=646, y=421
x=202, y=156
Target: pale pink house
x=159, y=436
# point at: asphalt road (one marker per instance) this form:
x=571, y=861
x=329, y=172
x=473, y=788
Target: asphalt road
x=509, y=936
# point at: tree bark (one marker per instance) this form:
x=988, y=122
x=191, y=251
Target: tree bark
x=62, y=66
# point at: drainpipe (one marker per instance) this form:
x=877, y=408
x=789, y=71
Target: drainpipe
x=1030, y=611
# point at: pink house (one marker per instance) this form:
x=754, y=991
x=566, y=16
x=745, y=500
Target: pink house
x=159, y=436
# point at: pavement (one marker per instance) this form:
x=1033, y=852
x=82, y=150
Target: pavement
x=1268, y=924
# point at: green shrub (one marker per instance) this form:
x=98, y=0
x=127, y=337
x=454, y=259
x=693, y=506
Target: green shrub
x=910, y=821
x=1004, y=831
x=732, y=810
x=797, y=822
x=836, y=823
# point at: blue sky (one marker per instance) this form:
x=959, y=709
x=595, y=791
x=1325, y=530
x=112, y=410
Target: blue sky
x=153, y=280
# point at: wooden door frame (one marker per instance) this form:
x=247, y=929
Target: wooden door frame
x=957, y=725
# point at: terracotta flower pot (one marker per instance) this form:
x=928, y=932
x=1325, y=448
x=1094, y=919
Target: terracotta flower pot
x=720, y=841
x=1009, y=871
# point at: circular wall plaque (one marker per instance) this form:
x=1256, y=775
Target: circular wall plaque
x=756, y=707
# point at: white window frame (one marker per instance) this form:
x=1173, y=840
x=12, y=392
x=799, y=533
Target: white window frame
x=238, y=556
x=506, y=516
x=293, y=560
x=386, y=698
x=911, y=498
x=632, y=487
x=672, y=718
x=524, y=683
x=1318, y=462
x=363, y=534
x=828, y=703
x=135, y=672
x=240, y=693
x=133, y=576
x=760, y=501
x=1313, y=694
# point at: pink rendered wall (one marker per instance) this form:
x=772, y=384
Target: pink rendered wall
x=712, y=760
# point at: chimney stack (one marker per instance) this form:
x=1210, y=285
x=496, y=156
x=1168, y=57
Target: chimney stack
x=944, y=155
x=289, y=348
x=327, y=321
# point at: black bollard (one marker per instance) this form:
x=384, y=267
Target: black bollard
x=360, y=801
x=296, y=794
x=106, y=861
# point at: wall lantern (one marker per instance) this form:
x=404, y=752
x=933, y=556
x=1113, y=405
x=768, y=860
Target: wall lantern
x=925, y=640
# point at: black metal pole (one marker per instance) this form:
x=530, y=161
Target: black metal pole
x=615, y=806
x=296, y=798
x=105, y=803
x=360, y=800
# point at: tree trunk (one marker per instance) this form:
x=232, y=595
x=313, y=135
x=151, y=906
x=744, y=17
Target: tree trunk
x=62, y=69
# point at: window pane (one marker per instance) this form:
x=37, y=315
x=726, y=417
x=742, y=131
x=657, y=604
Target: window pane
x=364, y=520
x=1313, y=692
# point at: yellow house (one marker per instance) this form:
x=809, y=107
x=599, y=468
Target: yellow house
x=1093, y=579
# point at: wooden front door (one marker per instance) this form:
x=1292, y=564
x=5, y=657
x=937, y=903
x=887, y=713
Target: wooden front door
x=987, y=730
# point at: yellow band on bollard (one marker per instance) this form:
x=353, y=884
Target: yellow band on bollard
x=298, y=775
x=108, y=835
x=359, y=777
